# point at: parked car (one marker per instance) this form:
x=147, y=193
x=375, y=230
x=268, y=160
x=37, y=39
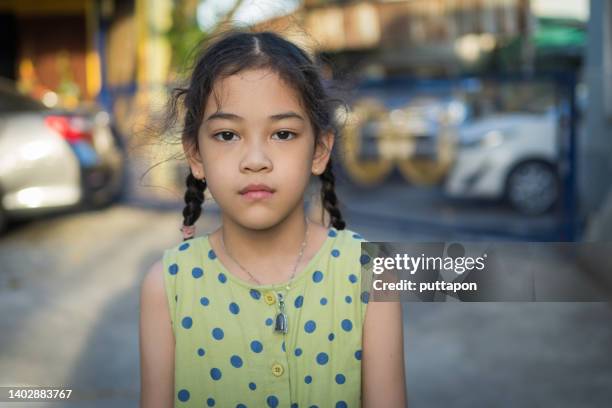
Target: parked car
x=511, y=156
x=53, y=159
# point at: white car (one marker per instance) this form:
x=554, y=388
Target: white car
x=508, y=155
x=53, y=160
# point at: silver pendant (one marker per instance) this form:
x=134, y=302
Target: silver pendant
x=281, y=324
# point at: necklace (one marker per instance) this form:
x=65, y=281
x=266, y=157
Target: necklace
x=281, y=324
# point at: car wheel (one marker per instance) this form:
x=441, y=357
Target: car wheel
x=533, y=187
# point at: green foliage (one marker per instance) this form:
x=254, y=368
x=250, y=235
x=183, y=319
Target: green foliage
x=184, y=36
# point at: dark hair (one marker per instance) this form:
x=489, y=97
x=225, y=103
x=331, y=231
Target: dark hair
x=232, y=52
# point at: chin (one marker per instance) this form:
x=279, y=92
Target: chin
x=258, y=218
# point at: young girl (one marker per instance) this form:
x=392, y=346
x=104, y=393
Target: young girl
x=269, y=309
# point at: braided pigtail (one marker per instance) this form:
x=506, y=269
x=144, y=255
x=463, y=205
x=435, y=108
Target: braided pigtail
x=328, y=196
x=194, y=198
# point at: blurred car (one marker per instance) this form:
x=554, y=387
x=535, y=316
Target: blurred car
x=53, y=159
x=511, y=156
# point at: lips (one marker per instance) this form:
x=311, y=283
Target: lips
x=256, y=187
x=256, y=191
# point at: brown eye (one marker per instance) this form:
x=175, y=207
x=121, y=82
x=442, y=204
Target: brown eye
x=285, y=135
x=224, y=136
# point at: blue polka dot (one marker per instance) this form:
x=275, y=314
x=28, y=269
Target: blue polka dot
x=332, y=233
x=256, y=346
x=236, y=361
x=313, y=406
x=335, y=253
x=217, y=333
x=347, y=325
x=358, y=354
x=298, y=352
x=364, y=259
x=294, y=405
x=323, y=301
x=308, y=379
x=204, y=301
x=348, y=299
x=255, y=294
x=211, y=254
x=352, y=278
x=317, y=276
x=365, y=297
x=269, y=321
x=340, y=379
x=299, y=301
x=173, y=269
x=341, y=404
x=283, y=346
x=197, y=272
x=222, y=277
x=187, y=322
x=234, y=308
x=184, y=246
x=252, y=386
x=210, y=402
x=357, y=236
x=310, y=326
x=241, y=406
x=272, y=401
x=201, y=352
x=322, y=358
x=215, y=374
x=183, y=395
x=331, y=336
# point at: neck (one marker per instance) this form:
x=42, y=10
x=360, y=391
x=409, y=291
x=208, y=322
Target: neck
x=269, y=254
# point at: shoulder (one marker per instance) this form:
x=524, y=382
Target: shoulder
x=347, y=234
x=183, y=253
x=153, y=282
x=154, y=302
x=347, y=242
x=184, y=247
x=156, y=296
x=347, y=237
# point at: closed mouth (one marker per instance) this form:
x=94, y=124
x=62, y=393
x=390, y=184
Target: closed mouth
x=256, y=188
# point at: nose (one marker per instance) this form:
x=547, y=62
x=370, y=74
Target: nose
x=255, y=158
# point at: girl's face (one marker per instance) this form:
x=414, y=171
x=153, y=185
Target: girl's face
x=260, y=135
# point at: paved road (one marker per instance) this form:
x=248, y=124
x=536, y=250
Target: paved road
x=69, y=300
x=426, y=212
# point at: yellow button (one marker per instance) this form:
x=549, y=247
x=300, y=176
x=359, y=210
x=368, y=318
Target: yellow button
x=270, y=298
x=277, y=369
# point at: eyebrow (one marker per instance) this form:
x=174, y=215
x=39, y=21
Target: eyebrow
x=233, y=116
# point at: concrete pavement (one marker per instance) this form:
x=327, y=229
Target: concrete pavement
x=69, y=290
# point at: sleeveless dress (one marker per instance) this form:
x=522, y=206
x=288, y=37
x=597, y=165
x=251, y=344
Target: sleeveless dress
x=227, y=352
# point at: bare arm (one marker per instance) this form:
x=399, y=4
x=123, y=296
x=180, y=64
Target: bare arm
x=156, y=343
x=384, y=383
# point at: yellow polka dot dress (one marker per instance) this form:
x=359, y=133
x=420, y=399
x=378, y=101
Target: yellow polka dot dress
x=228, y=353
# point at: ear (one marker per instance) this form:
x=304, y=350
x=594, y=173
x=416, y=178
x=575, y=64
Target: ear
x=322, y=153
x=193, y=158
